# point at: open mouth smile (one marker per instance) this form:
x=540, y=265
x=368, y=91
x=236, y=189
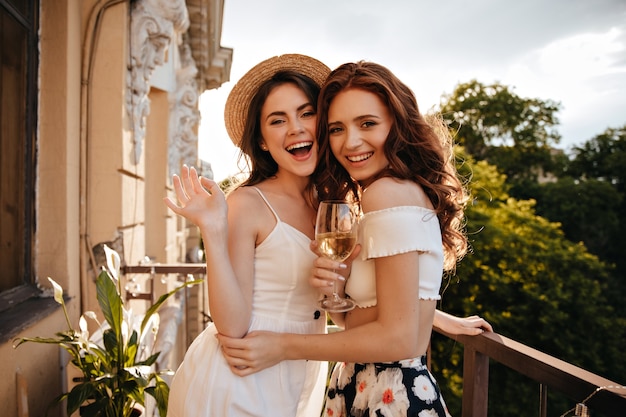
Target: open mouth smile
x=300, y=148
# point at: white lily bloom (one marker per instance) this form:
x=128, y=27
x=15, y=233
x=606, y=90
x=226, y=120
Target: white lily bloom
x=84, y=332
x=114, y=262
x=58, y=291
x=82, y=324
x=90, y=315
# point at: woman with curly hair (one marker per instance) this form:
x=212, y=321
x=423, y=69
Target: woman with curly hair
x=376, y=148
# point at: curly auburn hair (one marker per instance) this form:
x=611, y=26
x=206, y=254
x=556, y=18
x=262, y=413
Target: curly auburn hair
x=418, y=148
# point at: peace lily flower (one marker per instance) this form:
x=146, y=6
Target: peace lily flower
x=91, y=315
x=114, y=263
x=117, y=360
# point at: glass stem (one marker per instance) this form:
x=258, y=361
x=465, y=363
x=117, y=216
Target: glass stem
x=335, y=290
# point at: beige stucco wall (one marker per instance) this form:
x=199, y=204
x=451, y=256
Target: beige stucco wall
x=89, y=188
x=156, y=176
x=39, y=367
x=58, y=145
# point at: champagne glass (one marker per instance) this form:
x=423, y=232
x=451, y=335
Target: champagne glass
x=336, y=234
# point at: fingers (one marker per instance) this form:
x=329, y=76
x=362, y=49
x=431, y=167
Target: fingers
x=239, y=371
x=324, y=275
x=474, y=331
x=324, y=263
x=314, y=246
x=172, y=205
x=485, y=325
x=196, y=182
x=189, y=183
x=236, y=357
x=185, y=178
x=182, y=196
x=208, y=184
x=479, y=323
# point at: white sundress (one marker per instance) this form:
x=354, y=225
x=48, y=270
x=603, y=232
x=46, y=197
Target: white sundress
x=283, y=301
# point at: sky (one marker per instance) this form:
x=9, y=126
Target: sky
x=569, y=51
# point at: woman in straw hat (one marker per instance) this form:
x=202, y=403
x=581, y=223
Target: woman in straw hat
x=268, y=224
x=385, y=154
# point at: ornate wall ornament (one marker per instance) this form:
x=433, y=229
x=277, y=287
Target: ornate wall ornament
x=154, y=25
x=184, y=114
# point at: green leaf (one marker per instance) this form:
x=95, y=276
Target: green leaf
x=152, y=359
x=103, y=407
x=22, y=340
x=78, y=395
x=133, y=338
x=134, y=388
x=160, y=392
x=100, y=354
x=110, y=342
x=110, y=301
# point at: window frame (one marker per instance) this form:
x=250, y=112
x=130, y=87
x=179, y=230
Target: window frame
x=29, y=20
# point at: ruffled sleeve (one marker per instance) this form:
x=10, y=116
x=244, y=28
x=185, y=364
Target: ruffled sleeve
x=394, y=231
x=399, y=230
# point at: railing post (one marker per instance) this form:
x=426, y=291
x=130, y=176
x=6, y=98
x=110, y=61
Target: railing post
x=543, y=400
x=475, y=383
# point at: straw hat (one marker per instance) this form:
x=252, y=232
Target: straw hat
x=236, y=109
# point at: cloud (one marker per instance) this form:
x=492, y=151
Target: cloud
x=571, y=51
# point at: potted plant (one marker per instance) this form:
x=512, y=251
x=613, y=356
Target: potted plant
x=117, y=369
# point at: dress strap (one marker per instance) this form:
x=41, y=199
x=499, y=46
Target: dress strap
x=267, y=203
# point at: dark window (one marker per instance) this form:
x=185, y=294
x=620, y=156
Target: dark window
x=18, y=127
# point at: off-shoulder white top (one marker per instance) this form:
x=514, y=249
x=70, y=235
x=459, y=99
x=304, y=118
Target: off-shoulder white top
x=394, y=231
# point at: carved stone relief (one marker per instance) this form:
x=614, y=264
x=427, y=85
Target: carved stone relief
x=154, y=25
x=184, y=114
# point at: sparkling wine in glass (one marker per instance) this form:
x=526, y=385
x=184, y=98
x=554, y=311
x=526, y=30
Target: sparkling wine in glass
x=336, y=235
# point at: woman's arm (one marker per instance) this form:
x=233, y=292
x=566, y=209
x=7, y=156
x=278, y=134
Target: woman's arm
x=454, y=325
x=202, y=202
x=394, y=331
x=389, y=331
x=260, y=350
x=391, y=336
x=230, y=275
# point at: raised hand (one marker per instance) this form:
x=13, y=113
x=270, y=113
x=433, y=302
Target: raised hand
x=201, y=201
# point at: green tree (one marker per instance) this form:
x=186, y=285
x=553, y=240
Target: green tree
x=602, y=158
x=588, y=211
x=534, y=286
x=590, y=203
x=493, y=123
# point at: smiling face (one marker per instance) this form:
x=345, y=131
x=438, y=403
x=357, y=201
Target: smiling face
x=358, y=125
x=288, y=124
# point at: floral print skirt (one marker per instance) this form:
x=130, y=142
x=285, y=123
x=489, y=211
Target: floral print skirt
x=390, y=389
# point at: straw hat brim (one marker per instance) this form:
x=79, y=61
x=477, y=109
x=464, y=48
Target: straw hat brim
x=236, y=108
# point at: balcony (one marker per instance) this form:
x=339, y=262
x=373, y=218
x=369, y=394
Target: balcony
x=588, y=390
x=581, y=386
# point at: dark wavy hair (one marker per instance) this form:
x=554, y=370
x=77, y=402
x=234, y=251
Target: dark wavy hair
x=419, y=149
x=260, y=163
